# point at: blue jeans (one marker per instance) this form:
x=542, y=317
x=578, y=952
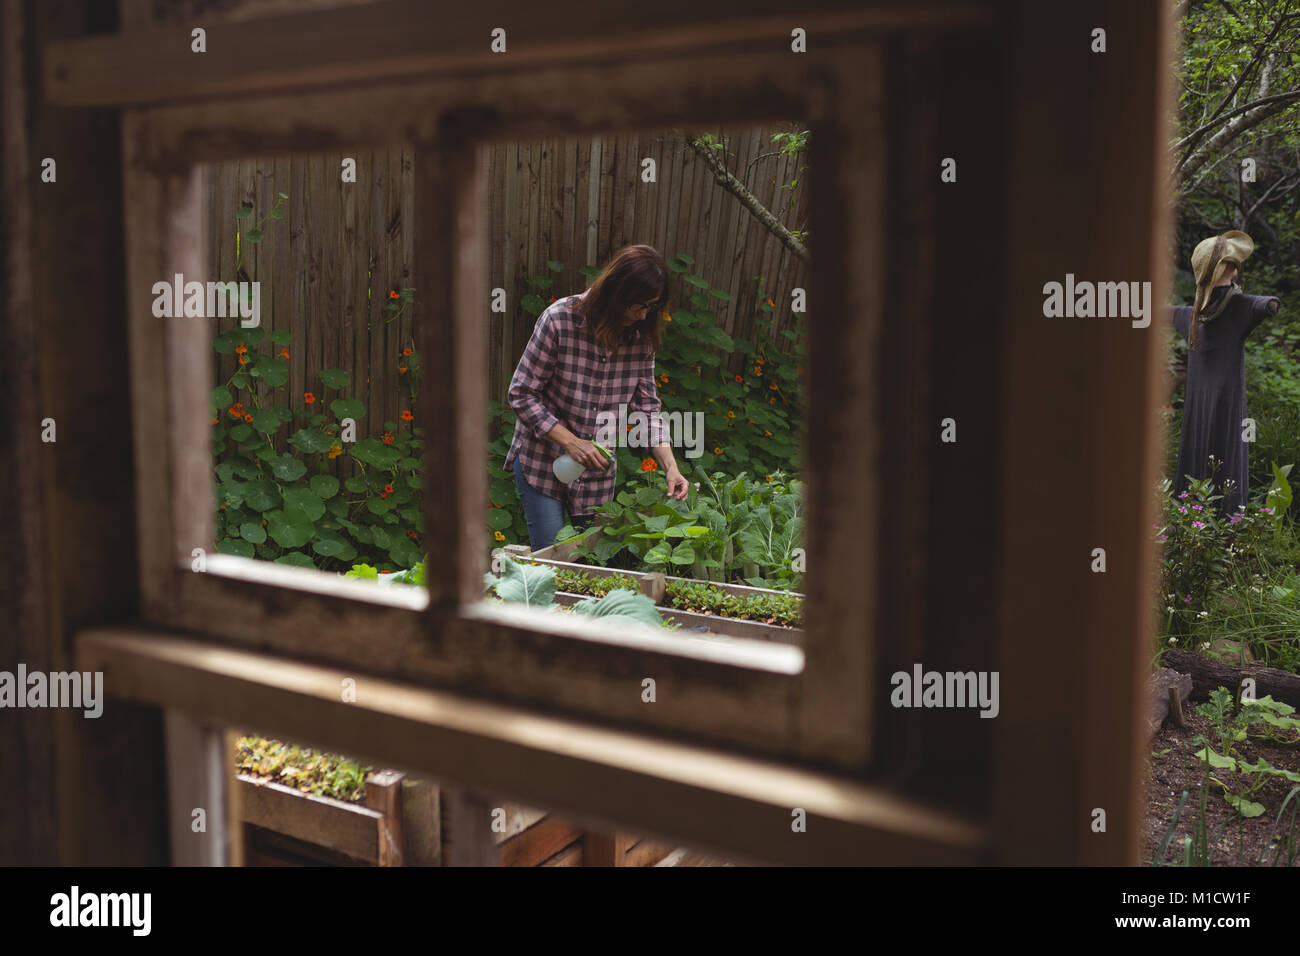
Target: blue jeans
x=545, y=515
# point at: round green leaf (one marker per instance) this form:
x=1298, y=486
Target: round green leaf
x=329, y=547
x=266, y=421
x=334, y=378
x=311, y=441
x=261, y=495
x=252, y=531
x=287, y=468
x=253, y=235
x=235, y=546
x=326, y=486
x=347, y=408
x=355, y=485
x=221, y=398
x=290, y=529
x=696, y=281
x=272, y=371
x=240, y=432
x=281, y=336
x=378, y=506
x=499, y=519
x=297, y=559
x=302, y=499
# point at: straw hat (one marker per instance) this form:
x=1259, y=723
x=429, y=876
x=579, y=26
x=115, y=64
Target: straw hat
x=1211, y=257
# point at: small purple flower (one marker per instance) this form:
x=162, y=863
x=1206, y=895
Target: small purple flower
x=1183, y=510
x=1163, y=537
x=1266, y=511
x=1235, y=518
x=1198, y=507
x=1183, y=495
x=1188, y=599
x=1198, y=524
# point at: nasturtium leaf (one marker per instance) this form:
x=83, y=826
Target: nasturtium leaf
x=266, y=421
x=239, y=380
x=380, y=537
x=326, y=486
x=281, y=336
x=355, y=485
x=696, y=281
x=499, y=519
x=253, y=235
x=272, y=371
x=287, y=468
x=225, y=471
x=289, y=529
x=304, y=500
x=285, y=413
x=240, y=432
x=221, y=398
x=718, y=293
x=533, y=304
x=334, y=378
x=252, y=531
x=554, y=266
x=243, y=549
x=243, y=212
x=403, y=552
x=347, y=408
x=311, y=441
x=375, y=453
x=297, y=559
x=244, y=468
x=589, y=271
x=251, y=337
x=225, y=342
x=261, y=495
x=264, y=453
x=378, y=506
x=338, y=507
x=329, y=547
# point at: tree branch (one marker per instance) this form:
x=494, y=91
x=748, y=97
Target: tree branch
x=1235, y=122
x=747, y=199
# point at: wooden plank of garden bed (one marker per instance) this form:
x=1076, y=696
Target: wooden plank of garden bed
x=349, y=829
x=518, y=819
x=725, y=626
x=569, y=856
x=384, y=795
x=595, y=571
x=642, y=852
x=541, y=841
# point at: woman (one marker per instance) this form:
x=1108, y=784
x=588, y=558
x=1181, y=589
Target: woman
x=1214, y=403
x=588, y=354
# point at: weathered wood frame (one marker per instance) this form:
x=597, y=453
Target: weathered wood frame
x=751, y=696
x=1080, y=717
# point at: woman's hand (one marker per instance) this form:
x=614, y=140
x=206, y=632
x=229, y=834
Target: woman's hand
x=585, y=454
x=677, y=485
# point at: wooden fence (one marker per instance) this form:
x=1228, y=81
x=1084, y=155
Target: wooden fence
x=327, y=267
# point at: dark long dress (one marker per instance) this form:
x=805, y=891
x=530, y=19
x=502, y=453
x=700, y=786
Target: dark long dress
x=1214, y=402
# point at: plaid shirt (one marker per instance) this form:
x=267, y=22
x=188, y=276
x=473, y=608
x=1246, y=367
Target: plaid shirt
x=565, y=377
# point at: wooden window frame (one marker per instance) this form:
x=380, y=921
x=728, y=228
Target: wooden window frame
x=773, y=699
x=580, y=765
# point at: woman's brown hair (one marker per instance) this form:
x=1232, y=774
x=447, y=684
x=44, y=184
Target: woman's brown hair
x=635, y=276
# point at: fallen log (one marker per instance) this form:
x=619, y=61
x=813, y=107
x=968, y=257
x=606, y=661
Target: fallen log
x=1207, y=674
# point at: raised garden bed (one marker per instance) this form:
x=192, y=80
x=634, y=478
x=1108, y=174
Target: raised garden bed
x=403, y=825
x=656, y=585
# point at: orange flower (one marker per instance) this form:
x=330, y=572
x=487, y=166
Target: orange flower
x=771, y=303
x=401, y=370
x=769, y=477
x=758, y=370
x=393, y=294
x=751, y=421
x=388, y=439
x=234, y=411
x=215, y=421
x=717, y=450
x=388, y=489
x=552, y=299
x=308, y=397
x=766, y=433
x=248, y=418
x=498, y=535
x=241, y=360
x=771, y=401
x=241, y=348
x=223, y=507
x=407, y=416
x=759, y=359
x=649, y=465
x=772, y=386
x=739, y=380
x=384, y=495
x=406, y=352
x=664, y=378
x=731, y=414
x=667, y=317
x=335, y=451
x=284, y=353
x=412, y=535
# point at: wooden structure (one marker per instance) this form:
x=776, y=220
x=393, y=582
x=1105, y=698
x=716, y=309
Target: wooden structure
x=401, y=823
x=1051, y=141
